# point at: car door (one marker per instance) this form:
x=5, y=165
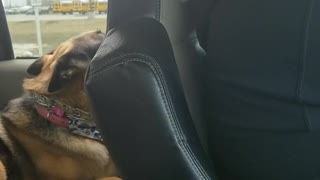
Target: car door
x=12, y=71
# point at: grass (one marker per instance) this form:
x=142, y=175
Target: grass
x=52, y=32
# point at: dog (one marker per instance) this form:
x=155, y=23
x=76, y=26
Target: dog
x=48, y=133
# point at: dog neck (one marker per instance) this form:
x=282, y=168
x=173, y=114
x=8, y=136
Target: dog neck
x=76, y=120
x=72, y=93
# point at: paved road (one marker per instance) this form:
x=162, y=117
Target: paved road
x=48, y=17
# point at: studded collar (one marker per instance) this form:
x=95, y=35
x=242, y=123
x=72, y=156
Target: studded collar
x=78, y=122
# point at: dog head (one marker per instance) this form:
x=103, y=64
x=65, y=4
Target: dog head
x=64, y=67
x=60, y=73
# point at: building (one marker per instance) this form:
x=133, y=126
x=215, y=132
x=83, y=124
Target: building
x=19, y=3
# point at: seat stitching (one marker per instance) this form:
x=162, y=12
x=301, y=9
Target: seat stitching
x=179, y=135
x=302, y=60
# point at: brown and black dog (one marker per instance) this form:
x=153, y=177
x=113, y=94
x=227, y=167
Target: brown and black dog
x=48, y=134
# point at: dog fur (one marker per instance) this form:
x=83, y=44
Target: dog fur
x=31, y=148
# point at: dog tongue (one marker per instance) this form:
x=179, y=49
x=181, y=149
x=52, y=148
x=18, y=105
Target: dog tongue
x=57, y=111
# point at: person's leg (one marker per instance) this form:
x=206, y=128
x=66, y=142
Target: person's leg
x=246, y=154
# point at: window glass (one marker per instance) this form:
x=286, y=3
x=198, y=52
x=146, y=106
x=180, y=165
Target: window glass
x=58, y=20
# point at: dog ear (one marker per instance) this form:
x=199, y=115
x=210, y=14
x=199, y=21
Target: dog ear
x=67, y=66
x=36, y=67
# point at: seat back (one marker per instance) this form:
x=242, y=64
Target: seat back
x=186, y=25
x=146, y=91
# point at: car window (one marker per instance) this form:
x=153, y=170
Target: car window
x=32, y=35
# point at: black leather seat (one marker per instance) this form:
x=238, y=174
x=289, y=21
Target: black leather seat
x=210, y=89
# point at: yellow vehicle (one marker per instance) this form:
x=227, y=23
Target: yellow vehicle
x=63, y=7
x=76, y=6
x=82, y=6
x=56, y=6
x=101, y=6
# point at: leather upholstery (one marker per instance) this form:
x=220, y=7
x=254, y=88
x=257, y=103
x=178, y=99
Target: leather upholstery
x=143, y=112
x=12, y=73
x=257, y=56
x=120, y=12
x=263, y=89
x=149, y=115
x=185, y=22
x=249, y=89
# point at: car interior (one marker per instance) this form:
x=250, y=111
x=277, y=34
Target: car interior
x=154, y=23
x=167, y=67
x=153, y=53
